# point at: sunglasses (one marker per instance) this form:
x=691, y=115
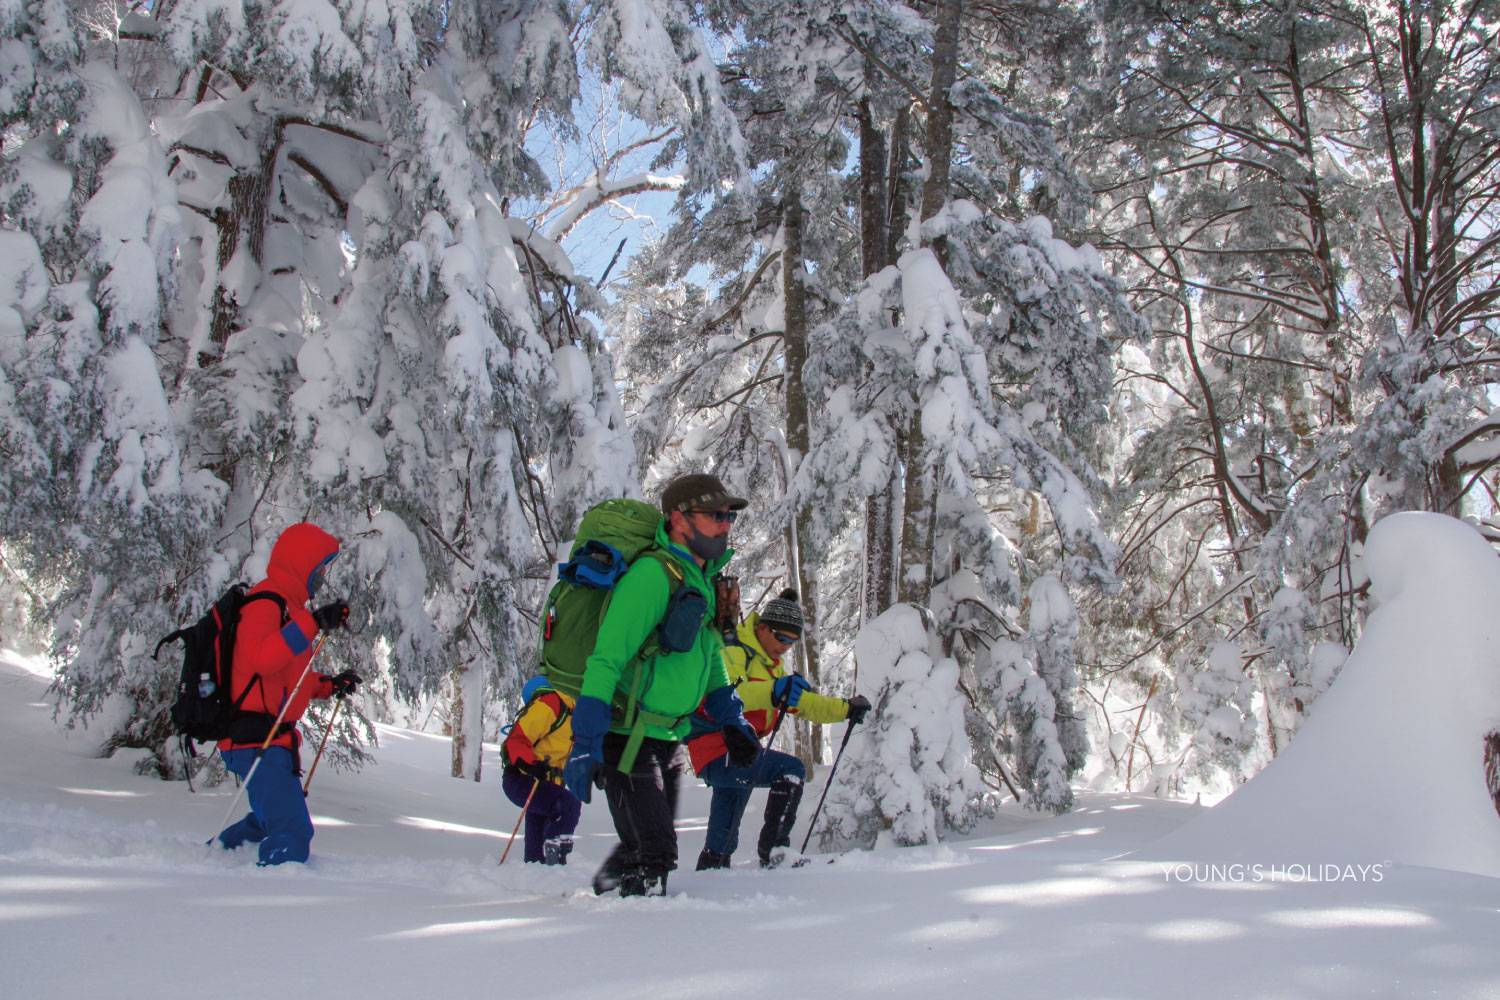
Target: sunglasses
x=719, y=516
x=784, y=639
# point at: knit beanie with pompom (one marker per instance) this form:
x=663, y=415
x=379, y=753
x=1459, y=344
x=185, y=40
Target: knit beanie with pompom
x=783, y=612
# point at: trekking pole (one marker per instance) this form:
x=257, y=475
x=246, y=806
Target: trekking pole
x=338, y=704
x=535, y=784
x=816, y=812
x=781, y=714
x=260, y=754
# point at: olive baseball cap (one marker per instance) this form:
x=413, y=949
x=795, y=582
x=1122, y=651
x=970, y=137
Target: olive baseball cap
x=698, y=491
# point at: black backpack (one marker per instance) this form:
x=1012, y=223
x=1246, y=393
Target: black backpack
x=204, y=710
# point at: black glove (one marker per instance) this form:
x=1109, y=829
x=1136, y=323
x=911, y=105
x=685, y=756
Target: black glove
x=743, y=748
x=332, y=616
x=536, y=769
x=345, y=684
x=859, y=707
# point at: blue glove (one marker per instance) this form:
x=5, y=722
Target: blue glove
x=590, y=723
x=725, y=707
x=787, y=691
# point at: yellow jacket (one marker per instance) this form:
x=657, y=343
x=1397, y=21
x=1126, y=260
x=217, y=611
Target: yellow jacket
x=753, y=672
x=543, y=732
x=751, y=668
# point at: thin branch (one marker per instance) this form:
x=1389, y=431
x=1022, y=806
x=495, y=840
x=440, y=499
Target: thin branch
x=444, y=541
x=885, y=67
x=739, y=301
x=321, y=179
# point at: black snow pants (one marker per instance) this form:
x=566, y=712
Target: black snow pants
x=643, y=805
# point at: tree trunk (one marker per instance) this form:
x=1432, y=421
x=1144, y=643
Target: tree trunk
x=874, y=214
x=467, y=718
x=916, y=535
x=916, y=543
x=798, y=442
x=1325, y=281
x=880, y=542
x=803, y=660
x=878, y=591
x=897, y=188
x=243, y=222
x=1492, y=767
x=940, y=115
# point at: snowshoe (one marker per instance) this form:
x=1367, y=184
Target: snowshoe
x=643, y=882
x=556, y=850
x=784, y=857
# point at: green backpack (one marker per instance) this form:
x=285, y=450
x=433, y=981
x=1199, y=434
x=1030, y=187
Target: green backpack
x=612, y=535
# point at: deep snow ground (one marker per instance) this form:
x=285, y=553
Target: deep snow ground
x=107, y=890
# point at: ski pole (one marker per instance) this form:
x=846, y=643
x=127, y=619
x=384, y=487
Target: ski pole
x=535, y=784
x=338, y=704
x=260, y=754
x=816, y=812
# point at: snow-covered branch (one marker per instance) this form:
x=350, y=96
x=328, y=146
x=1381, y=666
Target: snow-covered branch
x=597, y=191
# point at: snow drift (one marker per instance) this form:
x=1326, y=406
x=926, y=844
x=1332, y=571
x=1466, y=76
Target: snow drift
x=1389, y=766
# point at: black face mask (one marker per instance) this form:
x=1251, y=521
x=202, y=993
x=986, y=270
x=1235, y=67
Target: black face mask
x=707, y=547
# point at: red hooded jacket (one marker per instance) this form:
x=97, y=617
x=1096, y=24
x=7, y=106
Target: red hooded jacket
x=269, y=657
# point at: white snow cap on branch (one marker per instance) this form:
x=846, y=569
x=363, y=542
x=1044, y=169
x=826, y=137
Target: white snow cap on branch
x=598, y=190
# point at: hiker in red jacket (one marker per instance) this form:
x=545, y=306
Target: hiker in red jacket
x=271, y=654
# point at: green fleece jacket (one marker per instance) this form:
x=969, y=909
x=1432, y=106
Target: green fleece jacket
x=674, y=683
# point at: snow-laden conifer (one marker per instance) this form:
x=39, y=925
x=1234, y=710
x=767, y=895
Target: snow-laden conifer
x=908, y=770
x=290, y=290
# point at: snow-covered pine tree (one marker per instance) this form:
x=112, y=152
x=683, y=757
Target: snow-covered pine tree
x=1259, y=336
x=357, y=334
x=259, y=117
x=1280, y=228
x=102, y=509
x=908, y=770
x=460, y=356
x=885, y=354
x=728, y=375
x=987, y=349
x=1217, y=709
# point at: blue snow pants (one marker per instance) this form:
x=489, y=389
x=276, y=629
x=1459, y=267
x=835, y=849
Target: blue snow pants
x=278, y=820
x=553, y=812
x=732, y=786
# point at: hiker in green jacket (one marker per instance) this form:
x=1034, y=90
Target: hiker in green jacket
x=638, y=758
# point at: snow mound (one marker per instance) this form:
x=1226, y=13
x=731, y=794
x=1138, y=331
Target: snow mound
x=1389, y=765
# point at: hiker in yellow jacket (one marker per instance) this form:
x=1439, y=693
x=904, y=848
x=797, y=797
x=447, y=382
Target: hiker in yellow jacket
x=753, y=663
x=535, y=752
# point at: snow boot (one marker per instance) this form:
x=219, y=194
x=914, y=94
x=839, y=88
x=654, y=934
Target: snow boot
x=555, y=850
x=781, y=814
x=607, y=878
x=710, y=860
x=643, y=882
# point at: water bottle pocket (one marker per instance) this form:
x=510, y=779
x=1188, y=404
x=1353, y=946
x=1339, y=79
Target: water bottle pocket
x=684, y=618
